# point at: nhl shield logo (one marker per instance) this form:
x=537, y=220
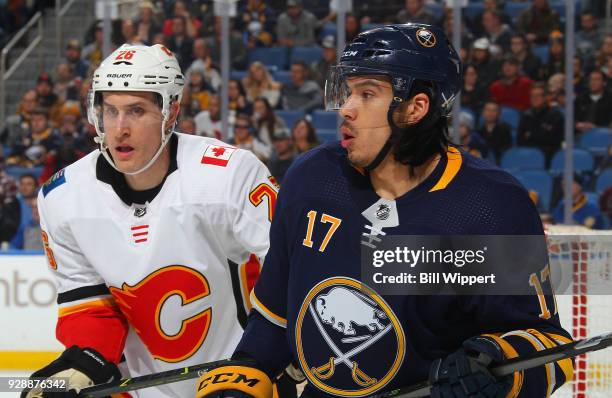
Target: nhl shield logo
x=426, y=38
x=383, y=212
x=349, y=341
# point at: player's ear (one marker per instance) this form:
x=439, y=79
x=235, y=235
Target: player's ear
x=411, y=112
x=175, y=109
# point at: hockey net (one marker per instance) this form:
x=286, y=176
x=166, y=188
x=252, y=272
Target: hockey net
x=581, y=259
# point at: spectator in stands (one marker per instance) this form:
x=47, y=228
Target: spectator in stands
x=489, y=5
x=41, y=139
x=265, y=121
x=377, y=11
x=584, y=212
x=244, y=138
x=257, y=20
x=199, y=92
x=556, y=56
x=497, y=32
x=72, y=55
x=605, y=204
x=296, y=26
x=580, y=83
x=302, y=94
x=27, y=189
x=13, y=15
x=321, y=68
x=67, y=85
x=496, y=133
x=10, y=213
x=32, y=233
x=191, y=24
x=352, y=26
x=589, y=37
x=605, y=52
x=556, y=91
x=48, y=99
x=67, y=153
x=259, y=83
x=304, y=136
x=486, y=66
x=238, y=56
x=208, y=122
x=474, y=93
x=282, y=156
x=537, y=22
x=128, y=33
x=92, y=52
x=530, y=64
x=17, y=126
x=237, y=97
x=415, y=11
x=146, y=27
x=187, y=126
x=541, y=126
x=180, y=43
x=471, y=142
x=204, y=64
x=512, y=89
x=85, y=142
x=593, y=108
x=466, y=36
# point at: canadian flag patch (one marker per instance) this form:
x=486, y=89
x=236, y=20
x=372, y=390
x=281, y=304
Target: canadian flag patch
x=218, y=155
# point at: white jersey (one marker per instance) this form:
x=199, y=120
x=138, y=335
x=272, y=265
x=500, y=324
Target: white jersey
x=165, y=263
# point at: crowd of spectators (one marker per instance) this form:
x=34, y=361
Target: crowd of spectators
x=513, y=63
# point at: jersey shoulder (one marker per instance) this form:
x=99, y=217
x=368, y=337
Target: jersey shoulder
x=206, y=163
x=70, y=180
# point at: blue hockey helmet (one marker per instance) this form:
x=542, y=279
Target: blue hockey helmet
x=404, y=53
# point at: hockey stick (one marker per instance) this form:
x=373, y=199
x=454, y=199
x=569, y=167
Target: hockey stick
x=418, y=390
x=156, y=379
x=520, y=363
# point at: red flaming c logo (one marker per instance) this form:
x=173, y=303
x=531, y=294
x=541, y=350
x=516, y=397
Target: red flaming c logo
x=169, y=290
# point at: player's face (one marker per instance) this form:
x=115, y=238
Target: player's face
x=365, y=128
x=132, y=124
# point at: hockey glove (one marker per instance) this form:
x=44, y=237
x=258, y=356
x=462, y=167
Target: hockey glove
x=82, y=367
x=464, y=373
x=235, y=381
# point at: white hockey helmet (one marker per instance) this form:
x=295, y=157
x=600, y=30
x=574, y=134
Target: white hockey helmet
x=136, y=68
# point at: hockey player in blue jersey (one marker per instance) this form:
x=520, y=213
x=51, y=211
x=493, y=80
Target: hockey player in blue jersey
x=394, y=172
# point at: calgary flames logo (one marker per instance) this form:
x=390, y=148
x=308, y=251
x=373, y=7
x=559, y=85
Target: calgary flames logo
x=174, y=323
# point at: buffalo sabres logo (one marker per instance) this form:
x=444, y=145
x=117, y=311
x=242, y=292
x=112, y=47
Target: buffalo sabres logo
x=349, y=341
x=426, y=38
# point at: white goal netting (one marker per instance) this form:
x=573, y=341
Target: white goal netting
x=581, y=265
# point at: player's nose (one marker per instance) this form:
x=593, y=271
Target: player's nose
x=347, y=110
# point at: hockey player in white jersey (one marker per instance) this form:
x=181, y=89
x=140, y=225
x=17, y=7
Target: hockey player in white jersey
x=150, y=237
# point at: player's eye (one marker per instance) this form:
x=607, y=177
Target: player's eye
x=367, y=95
x=137, y=111
x=110, y=111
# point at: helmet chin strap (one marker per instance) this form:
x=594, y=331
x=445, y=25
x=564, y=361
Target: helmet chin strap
x=384, y=151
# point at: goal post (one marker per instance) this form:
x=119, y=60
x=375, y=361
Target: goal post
x=581, y=269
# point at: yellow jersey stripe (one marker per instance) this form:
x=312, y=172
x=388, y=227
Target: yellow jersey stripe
x=104, y=302
x=452, y=168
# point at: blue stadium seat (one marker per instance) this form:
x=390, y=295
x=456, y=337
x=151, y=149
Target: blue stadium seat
x=17, y=171
x=539, y=181
x=514, y=9
x=541, y=52
x=583, y=162
x=308, y=54
x=238, y=74
x=329, y=29
x=290, y=117
x=436, y=9
x=282, y=76
x=327, y=135
x=472, y=10
x=604, y=181
x=592, y=197
x=275, y=56
x=324, y=120
x=596, y=141
x=522, y=158
x=510, y=116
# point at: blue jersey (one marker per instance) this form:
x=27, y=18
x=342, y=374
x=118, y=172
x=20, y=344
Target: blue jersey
x=312, y=308
x=583, y=212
